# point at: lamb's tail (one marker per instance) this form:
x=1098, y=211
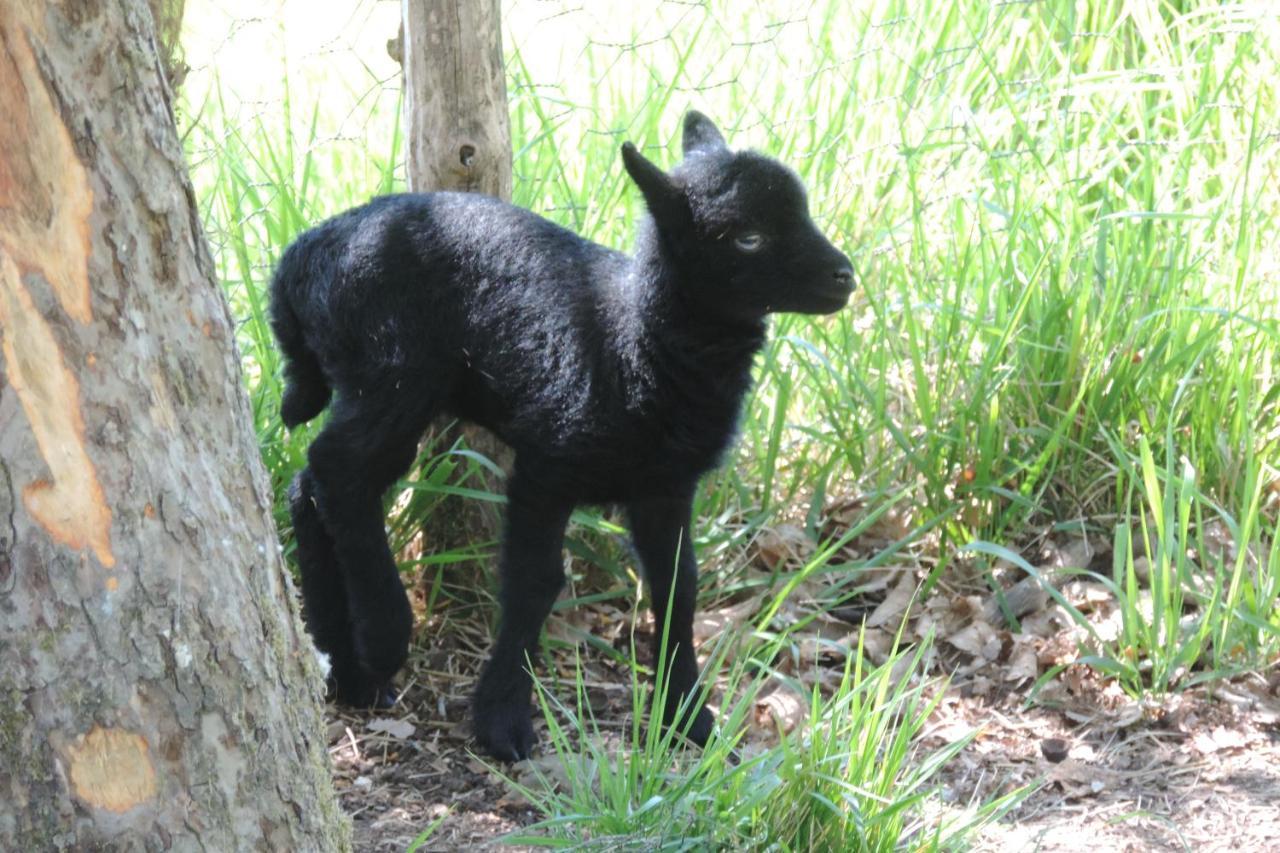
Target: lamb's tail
x=306, y=391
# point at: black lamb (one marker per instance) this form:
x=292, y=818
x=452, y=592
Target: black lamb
x=615, y=379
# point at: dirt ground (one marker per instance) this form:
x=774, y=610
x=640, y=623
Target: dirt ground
x=1207, y=778
x=1198, y=770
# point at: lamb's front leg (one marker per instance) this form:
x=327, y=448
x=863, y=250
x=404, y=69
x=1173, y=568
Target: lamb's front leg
x=662, y=532
x=532, y=573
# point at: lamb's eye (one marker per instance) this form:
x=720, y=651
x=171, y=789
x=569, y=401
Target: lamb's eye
x=749, y=242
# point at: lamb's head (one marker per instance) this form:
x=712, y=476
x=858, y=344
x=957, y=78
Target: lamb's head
x=736, y=228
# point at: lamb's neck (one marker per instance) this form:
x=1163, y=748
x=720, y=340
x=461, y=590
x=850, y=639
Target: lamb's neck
x=677, y=331
x=676, y=350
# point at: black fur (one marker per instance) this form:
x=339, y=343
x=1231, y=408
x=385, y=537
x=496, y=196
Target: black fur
x=614, y=379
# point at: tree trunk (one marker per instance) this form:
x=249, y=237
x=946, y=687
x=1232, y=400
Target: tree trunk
x=455, y=97
x=156, y=688
x=459, y=138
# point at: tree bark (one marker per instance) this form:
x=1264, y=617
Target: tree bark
x=455, y=97
x=459, y=138
x=156, y=688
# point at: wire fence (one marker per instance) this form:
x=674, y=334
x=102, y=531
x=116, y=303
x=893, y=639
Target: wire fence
x=901, y=109
x=1039, y=129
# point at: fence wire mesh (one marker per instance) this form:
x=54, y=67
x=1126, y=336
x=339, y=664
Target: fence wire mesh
x=1041, y=127
x=900, y=108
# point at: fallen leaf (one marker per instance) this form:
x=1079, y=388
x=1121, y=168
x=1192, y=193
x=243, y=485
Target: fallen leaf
x=786, y=708
x=400, y=729
x=1219, y=739
x=712, y=623
x=1079, y=779
x=978, y=639
x=1024, y=664
x=890, y=611
x=781, y=545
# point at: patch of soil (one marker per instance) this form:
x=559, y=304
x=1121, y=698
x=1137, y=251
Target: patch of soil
x=1198, y=773
x=399, y=771
x=1197, y=770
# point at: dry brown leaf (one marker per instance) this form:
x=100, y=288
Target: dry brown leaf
x=785, y=544
x=978, y=639
x=877, y=645
x=1079, y=779
x=890, y=611
x=712, y=623
x=399, y=729
x=1023, y=664
x=1219, y=739
x=783, y=709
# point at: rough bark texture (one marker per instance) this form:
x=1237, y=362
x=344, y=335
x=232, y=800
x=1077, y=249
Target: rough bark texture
x=456, y=120
x=459, y=138
x=156, y=688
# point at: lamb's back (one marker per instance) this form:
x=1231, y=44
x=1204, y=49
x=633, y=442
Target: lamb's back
x=470, y=251
x=510, y=310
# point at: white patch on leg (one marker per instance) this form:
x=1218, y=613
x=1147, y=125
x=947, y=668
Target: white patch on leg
x=322, y=661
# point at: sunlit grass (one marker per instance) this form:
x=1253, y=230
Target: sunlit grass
x=852, y=780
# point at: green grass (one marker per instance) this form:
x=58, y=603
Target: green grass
x=857, y=782
x=1064, y=218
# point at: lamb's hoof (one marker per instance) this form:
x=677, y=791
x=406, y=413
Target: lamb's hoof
x=382, y=646
x=504, y=731
x=698, y=730
x=361, y=692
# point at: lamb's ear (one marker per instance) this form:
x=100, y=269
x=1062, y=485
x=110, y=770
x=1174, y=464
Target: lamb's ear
x=701, y=134
x=666, y=201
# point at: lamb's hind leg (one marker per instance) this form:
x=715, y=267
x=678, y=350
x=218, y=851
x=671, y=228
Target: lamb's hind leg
x=366, y=445
x=324, y=596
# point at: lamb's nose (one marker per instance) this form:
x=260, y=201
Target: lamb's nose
x=844, y=277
